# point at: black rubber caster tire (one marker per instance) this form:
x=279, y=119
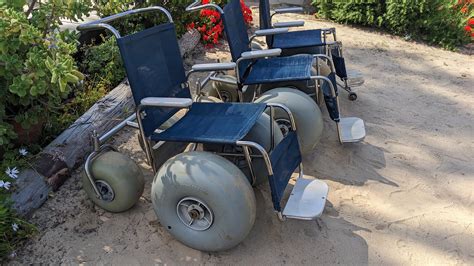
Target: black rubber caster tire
x=352, y=96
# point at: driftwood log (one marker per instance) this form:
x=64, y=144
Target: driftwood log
x=54, y=164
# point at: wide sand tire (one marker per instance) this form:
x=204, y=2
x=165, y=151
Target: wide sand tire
x=204, y=201
x=119, y=180
x=308, y=117
x=228, y=92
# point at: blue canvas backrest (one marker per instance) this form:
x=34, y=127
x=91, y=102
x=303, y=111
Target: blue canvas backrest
x=265, y=19
x=236, y=32
x=154, y=67
x=264, y=10
x=331, y=102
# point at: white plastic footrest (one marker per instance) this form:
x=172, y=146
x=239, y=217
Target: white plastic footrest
x=352, y=129
x=307, y=200
x=354, y=78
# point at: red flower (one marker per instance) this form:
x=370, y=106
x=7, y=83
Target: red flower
x=468, y=28
x=190, y=26
x=470, y=21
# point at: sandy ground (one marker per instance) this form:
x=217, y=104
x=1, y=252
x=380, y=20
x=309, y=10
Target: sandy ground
x=403, y=196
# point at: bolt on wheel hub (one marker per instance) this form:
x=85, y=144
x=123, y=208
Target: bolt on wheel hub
x=105, y=190
x=284, y=125
x=194, y=213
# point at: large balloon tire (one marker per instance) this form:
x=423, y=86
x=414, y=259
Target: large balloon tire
x=307, y=115
x=115, y=171
x=224, y=91
x=215, y=186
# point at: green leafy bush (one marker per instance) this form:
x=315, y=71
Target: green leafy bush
x=439, y=22
x=36, y=69
x=37, y=74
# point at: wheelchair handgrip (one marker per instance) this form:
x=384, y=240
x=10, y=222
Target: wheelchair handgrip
x=103, y=22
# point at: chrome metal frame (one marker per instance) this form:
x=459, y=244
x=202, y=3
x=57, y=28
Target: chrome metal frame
x=98, y=141
x=102, y=23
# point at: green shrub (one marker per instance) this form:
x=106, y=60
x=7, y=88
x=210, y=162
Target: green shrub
x=439, y=22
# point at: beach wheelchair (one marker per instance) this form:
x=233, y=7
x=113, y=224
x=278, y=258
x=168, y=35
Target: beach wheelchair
x=200, y=197
x=315, y=41
x=273, y=79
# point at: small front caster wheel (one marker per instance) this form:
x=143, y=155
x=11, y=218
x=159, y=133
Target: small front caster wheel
x=118, y=179
x=352, y=96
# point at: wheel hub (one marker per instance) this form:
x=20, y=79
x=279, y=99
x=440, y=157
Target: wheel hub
x=194, y=213
x=284, y=125
x=105, y=190
x=225, y=96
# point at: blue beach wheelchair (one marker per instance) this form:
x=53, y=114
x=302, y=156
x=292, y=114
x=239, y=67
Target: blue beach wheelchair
x=273, y=78
x=201, y=198
x=315, y=41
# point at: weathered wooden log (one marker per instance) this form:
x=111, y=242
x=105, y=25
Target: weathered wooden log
x=51, y=167
x=54, y=164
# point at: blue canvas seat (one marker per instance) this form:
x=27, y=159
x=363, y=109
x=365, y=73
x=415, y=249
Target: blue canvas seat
x=278, y=69
x=297, y=39
x=265, y=70
x=213, y=123
x=154, y=68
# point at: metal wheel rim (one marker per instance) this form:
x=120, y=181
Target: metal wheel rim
x=105, y=190
x=225, y=96
x=284, y=125
x=194, y=213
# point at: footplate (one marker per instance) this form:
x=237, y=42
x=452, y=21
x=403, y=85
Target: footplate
x=354, y=79
x=351, y=129
x=307, y=200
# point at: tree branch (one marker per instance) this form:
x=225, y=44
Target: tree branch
x=30, y=8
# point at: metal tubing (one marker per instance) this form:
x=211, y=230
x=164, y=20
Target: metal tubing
x=249, y=162
x=288, y=111
x=326, y=79
x=132, y=124
x=102, y=23
x=317, y=56
x=272, y=134
x=197, y=5
x=266, y=157
x=144, y=139
x=317, y=84
x=88, y=165
x=107, y=135
x=227, y=81
x=208, y=78
x=87, y=168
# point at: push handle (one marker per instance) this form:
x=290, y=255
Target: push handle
x=103, y=23
x=196, y=5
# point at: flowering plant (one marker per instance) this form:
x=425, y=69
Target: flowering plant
x=210, y=24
